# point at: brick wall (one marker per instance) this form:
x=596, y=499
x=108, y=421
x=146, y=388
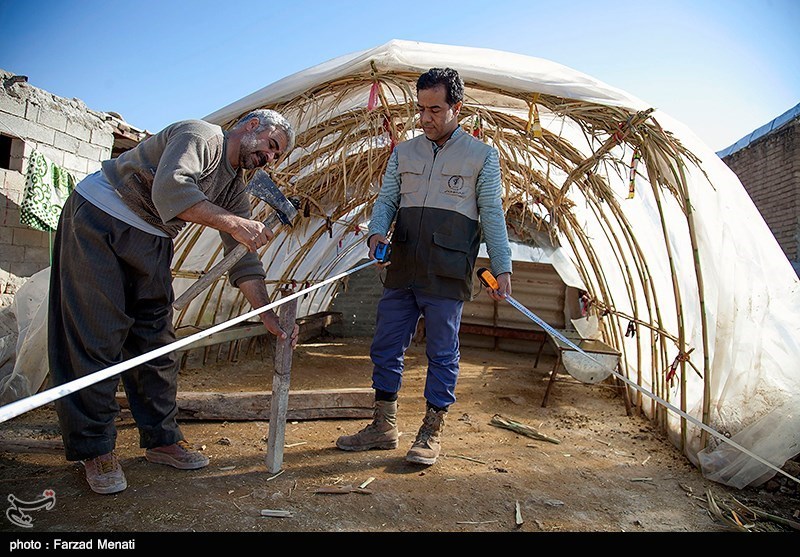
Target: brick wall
x=769, y=169
x=66, y=132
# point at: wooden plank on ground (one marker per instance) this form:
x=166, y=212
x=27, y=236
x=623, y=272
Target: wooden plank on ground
x=49, y=446
x=256, y=405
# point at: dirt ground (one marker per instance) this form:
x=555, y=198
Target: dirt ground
x=609, y=472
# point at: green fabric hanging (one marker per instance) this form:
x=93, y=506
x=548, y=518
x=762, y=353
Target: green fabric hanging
x=47, y=187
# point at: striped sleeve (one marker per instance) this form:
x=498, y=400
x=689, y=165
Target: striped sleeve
x=492, y=218
x=385, y=207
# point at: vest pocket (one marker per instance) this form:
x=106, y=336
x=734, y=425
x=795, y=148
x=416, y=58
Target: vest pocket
x=449, y=256
x=456, y=180
x=411, y=175
x=457, y=168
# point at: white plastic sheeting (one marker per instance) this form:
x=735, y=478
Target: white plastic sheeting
x=30, y=365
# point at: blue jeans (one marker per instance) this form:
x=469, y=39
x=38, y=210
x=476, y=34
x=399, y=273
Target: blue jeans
x=399, y=311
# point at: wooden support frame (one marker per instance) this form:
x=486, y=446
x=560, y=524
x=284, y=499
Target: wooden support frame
x=590, y=346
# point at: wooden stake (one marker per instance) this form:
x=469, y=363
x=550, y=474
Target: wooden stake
x=280, y=387
x=276, y=513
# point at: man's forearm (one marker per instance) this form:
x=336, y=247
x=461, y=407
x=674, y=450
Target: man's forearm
x=253, y=234
x=208, y=214
x=255, y=291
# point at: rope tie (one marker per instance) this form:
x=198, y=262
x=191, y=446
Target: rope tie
x=681, y=357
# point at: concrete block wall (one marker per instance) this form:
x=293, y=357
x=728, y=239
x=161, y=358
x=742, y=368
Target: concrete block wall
x=358, y=303
x=63, y=130
x=769, y=169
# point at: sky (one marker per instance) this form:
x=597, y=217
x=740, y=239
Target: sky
x=722, y=67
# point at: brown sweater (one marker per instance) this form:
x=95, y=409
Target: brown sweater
x=176, y=168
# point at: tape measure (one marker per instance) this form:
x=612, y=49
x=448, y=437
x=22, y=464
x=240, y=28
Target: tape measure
x=383, y=252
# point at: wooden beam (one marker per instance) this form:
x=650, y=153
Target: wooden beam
x=280, y=388
x=311, y=326
x=49, y=446
x=256, y=405
x=236, y=332
x=504, y=332
x=314, y=325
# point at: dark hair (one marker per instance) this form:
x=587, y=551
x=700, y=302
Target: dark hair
x=447, y=78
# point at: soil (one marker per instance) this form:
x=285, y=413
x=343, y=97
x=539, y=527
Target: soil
x=609, y=472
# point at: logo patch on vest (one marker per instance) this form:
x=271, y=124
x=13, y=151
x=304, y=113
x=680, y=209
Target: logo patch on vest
x=455, y=186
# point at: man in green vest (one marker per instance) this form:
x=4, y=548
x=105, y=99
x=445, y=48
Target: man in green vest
x=441, y=190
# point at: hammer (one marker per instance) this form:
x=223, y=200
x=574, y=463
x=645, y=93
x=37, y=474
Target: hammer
x=265, y=189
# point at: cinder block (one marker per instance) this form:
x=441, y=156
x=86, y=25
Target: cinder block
x=11, y=213
x=105, y=153
x=6, y=235
x=66, y=142
x=13, y=125
x=75, y=164
x=37, y=255
x=14, y=254
x=14, y=185
x=90, y=151
x=52, y=119
x=12, y=105
x=20, y=149
x=39, y=133
x=102, y=137
x=29, y=268
x=78, y=130
x=93, y=166
x=29, y=237
x=32, y=111
x=56, y=156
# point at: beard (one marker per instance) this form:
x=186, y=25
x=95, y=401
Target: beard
x=249, y=157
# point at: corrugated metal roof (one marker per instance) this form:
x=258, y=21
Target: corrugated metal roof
x=778, y=122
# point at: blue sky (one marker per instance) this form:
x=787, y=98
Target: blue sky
x=724, y=68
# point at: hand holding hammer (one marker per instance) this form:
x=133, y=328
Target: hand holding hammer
x=265, y=189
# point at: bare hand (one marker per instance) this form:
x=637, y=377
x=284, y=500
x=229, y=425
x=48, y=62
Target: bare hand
x=271, y=322
x=503, y=287
x=252, y=233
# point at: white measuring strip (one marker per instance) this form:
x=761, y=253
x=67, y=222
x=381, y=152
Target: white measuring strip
x=18, y=407
x=532, y=316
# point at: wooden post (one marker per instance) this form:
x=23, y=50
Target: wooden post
x=280, y=387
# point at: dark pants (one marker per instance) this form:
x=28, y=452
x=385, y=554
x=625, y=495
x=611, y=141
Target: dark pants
x=399, y=309
x=110, y=300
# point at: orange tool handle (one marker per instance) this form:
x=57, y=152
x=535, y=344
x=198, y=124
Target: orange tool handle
x=487, y=278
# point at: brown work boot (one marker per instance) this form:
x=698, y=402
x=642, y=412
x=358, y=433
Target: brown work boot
x=104, y=474
x=425, y=449
x=181, y=455
x=380, y=434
